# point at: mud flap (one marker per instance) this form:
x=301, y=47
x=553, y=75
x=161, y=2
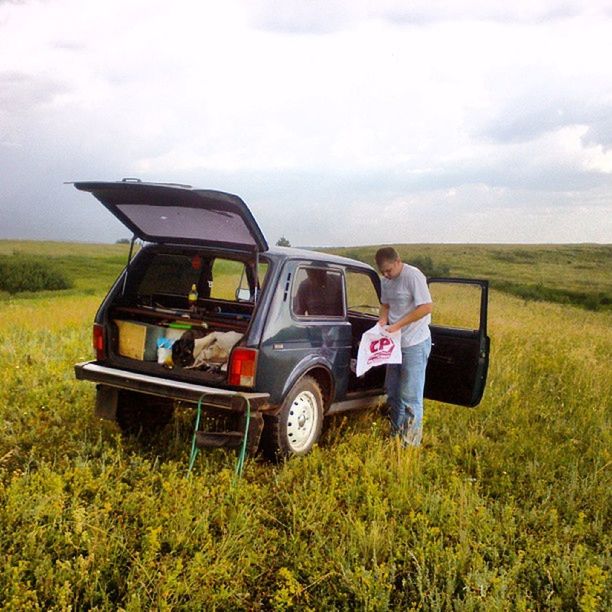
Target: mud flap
x=106, y=402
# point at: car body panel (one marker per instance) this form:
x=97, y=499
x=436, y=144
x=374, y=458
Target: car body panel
x=291, y=345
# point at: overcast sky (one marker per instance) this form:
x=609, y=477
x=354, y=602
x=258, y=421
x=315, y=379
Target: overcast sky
x=340, y=122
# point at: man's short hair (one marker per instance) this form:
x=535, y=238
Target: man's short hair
x=386, y=254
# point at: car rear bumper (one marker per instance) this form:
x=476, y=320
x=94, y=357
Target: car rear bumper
x=173, y=389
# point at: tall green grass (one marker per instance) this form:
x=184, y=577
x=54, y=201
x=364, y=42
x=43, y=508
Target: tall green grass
x=576, y=274
x=506, y=506
x=21, y=273
x=85, y=269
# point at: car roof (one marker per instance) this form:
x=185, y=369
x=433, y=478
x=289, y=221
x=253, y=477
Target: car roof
x=279, y=252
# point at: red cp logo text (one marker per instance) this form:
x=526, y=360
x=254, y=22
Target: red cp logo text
x=380, y=345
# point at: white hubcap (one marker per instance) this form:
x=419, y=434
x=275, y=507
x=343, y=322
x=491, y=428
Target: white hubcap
x=302, y=421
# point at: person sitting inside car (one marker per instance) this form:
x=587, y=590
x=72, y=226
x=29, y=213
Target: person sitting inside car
x=319, y=294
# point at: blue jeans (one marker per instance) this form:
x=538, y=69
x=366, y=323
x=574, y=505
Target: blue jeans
x=404, y=384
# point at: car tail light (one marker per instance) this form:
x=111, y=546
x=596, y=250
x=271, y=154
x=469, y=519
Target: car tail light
x=98, y=341
x=242, y=367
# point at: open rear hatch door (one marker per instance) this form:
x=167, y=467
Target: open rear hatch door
x=180, y=215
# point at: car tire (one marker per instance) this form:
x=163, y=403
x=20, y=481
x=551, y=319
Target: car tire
x=140, y=414
x=297, y=426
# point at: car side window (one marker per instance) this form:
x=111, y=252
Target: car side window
x=226, y=278
x=456, y=305
x=231, y=280
x=361, y=296
x=317, y=292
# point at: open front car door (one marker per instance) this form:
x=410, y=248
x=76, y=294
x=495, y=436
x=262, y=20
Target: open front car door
x=459, y=360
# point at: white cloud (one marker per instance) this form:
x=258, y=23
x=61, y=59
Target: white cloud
x=325, y=16
x=316, y=112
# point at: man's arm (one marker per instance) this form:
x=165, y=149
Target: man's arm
x=383, y=314
x=418, y=313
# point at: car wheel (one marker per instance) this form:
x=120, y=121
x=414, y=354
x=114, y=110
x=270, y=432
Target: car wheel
x=138, y=413
x=297, y=426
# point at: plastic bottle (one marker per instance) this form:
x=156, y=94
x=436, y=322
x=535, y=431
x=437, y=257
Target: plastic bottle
x=193, y=297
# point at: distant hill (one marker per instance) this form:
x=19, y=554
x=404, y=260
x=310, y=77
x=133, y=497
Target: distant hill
x=579, y=274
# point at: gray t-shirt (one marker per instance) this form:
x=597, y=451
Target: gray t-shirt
x=403, y=294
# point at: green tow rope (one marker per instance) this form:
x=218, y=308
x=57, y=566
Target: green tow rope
x=194, y=449
x=241, y=456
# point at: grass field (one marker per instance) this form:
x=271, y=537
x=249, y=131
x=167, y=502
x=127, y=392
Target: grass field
x=571, y=274
x=506, y=506
x=92, y=267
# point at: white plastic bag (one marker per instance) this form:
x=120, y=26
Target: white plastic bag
x=378, y=347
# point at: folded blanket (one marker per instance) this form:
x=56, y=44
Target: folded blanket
x=214, y=347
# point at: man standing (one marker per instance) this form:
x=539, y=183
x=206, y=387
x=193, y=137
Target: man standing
x=406, y=305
